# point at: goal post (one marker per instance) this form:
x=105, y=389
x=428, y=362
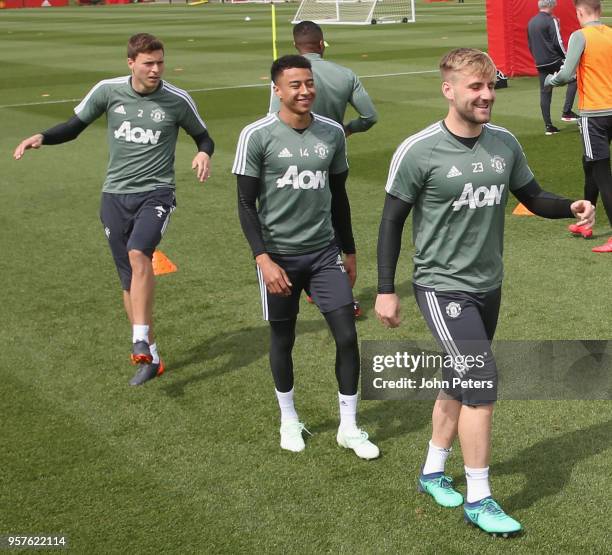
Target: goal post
x=355, y=12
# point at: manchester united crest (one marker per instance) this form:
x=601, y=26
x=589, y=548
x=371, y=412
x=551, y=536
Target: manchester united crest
x=321, y=150
x=158, y=115
x=453, y=309
x=498, y=164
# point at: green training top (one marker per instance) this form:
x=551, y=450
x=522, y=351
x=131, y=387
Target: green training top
x=459, y=196
x=294, y=203
x=336, y=87
x=142, y=132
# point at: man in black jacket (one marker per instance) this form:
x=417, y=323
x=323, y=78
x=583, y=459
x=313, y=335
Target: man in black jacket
x=546, y=46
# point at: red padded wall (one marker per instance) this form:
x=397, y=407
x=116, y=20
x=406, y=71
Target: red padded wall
x=8, y=4
x=507, y=32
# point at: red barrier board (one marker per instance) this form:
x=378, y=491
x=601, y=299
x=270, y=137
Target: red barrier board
x=507, y=32
x=10, y=4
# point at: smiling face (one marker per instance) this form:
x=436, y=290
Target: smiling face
x=147, y=70
x=470, y=95
x=296, y=90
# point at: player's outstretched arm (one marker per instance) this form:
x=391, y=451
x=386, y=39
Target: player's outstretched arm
x=61, y=133
x=552, y=206
x=575, y=48
x=394, y=216
x=35, y=141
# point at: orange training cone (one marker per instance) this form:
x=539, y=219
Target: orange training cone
x=162, y=264
x=521, y=210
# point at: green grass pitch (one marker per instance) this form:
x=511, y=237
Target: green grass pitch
x=190, y=463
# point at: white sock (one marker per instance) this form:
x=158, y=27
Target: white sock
x=477, y=483
x=285, y=402
x=154, y=353
x=436, y=458
x=140, y=332
x=348, y=411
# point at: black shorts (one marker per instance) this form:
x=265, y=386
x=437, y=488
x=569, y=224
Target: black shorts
x=596, y=134
x=135, y=221
x=464, y=324
x=321, y=272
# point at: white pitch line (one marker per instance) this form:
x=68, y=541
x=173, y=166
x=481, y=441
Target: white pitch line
x=210, y=89
x=398, y=74
x=41, y=103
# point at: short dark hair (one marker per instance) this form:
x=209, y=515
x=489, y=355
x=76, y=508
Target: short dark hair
x=307, y=32
x=288, y=62
x=142, y=43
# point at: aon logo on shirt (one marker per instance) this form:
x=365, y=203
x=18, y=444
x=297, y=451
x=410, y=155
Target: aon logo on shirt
x=483, y=196
x=137, y=134
x=305, y=179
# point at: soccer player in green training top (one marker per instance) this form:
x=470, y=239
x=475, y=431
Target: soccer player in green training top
x=291, y=170
x=143, y=115
x=337, y=87
x=456, y=175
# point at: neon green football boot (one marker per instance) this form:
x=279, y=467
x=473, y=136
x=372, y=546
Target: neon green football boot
x=440, y=487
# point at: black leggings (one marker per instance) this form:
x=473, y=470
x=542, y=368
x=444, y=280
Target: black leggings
x=598, y=181
x=341, y=323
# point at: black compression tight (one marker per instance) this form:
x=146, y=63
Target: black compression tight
x=591, y=192
x=282, y=338
x=603, y=180
x=341, y=323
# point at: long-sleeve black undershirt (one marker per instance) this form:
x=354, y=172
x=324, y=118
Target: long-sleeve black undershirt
x=542, y=203
x=204, y=143
x=64, y=132
x=390, y=231
x=248, y=191
x=341, y=212
x=395, y=212
x=71, y=129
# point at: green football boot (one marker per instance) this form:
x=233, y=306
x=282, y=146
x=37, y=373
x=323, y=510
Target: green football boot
x=487, y=515
x=440, y=487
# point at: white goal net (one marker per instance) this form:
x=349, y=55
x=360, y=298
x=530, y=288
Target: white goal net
x=355, y=12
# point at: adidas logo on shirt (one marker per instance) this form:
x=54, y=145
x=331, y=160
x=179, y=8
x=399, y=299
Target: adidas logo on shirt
x=285, y=153
x=119, y=109
x=453, y=172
